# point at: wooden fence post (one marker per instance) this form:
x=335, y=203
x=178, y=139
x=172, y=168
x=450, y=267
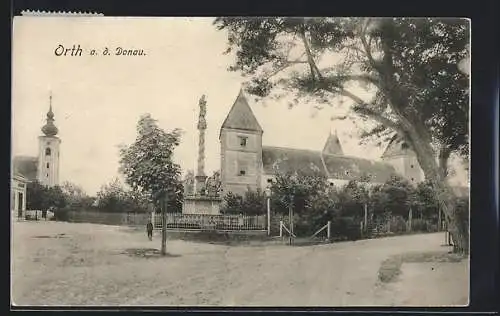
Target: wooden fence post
x=281, y=228
x=410, y=217
x=329, y=230
x=365, y=224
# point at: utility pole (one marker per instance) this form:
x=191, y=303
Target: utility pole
x=268, y=216
x=290, y=215
x=164, y=202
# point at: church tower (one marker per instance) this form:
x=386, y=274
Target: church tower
x=241, y=149
x=404, y=160
x=332, y=145
x=48, y=151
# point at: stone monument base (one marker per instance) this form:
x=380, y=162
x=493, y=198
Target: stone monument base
x=201, y=205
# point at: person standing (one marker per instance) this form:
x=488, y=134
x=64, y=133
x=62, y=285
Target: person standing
x=149, y=228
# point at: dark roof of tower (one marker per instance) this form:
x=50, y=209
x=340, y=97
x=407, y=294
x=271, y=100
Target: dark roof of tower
x=241, y=116
x=49, y=129
x=397, y=147
x=286, y=160
x=27, y=166
x=354, y=168
x=309, y=162
x=333, y=146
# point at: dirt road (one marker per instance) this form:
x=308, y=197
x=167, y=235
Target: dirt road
x=84, y=264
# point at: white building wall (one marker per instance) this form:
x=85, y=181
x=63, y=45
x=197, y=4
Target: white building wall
x=48, y=165
x=18, y=192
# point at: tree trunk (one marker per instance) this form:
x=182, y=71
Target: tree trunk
x=435, y=173
x=164, y=227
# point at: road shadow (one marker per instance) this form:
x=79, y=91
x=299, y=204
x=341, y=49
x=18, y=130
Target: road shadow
x=51, y=236
x=147, y=253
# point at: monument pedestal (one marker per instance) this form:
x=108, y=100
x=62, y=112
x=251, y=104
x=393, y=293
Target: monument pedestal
x=205, y=205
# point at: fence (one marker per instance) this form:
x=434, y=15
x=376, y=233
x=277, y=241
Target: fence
x=213, y=222
x=35, y=215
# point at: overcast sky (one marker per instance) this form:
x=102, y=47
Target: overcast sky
x=97, y=100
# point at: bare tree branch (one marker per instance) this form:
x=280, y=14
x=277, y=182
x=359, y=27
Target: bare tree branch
x=366, y=46
x=312, y=64
x=363, y=109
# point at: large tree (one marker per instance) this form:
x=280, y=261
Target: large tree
x=148, y=164
x=149, y=168
x=408, y=66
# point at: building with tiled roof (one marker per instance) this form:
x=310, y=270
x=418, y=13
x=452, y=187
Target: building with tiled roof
x=246, y=163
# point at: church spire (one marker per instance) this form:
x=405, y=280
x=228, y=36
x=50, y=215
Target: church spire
x=49, y=129
x=241, y=116
x=332, y=145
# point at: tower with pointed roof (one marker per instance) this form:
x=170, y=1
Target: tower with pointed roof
x=241, y=149
x=332, y=145
x=404, y=160
x=48, y=151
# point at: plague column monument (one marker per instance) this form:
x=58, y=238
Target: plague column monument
x=202, y=200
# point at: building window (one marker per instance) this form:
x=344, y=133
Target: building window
x=243, y=141
x=47, y=165
x=269, y=180
x=412, y=180
x=411, y=166
x=404, y=146
x=242, y=172
x=47, y=175
x=47, y=152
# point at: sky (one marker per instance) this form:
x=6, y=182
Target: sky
x=97, y=100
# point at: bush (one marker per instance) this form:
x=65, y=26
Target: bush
x=462, y=211
x=419, y=225
x=346, y=228
x=61, y=215
x=397, y=224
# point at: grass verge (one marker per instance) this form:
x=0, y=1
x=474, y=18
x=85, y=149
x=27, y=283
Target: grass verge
x=390, y=269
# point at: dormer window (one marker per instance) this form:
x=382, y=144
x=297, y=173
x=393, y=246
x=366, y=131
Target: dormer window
x=47, y=152
x=243, y=141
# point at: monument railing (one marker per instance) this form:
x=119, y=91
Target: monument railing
x=212, y=222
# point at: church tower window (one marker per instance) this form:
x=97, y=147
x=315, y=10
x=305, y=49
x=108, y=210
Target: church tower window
x=47, y=152
x=242, y=172
x=243, y=141
x=47, y=165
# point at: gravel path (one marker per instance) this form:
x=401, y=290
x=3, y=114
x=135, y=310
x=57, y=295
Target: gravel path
x=85, y=264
